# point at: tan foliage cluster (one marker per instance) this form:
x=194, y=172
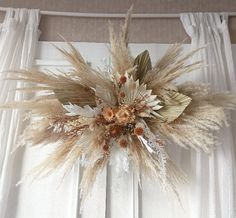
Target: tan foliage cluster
x=137, y=108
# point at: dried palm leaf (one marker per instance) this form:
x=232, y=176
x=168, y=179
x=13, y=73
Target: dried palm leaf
x=143, y=64
x=175, y=106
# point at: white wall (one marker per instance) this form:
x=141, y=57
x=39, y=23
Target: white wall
x=97, y=53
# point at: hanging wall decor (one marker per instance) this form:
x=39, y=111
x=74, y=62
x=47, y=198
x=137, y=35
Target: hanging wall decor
x=134, y=111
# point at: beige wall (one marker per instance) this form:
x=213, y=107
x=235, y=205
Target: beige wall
x=142, y=30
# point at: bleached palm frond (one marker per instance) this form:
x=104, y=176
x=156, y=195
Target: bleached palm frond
x=86, y=111
x=105, y=96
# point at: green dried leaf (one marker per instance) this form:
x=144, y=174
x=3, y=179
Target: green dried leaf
x=62, y=96
x=143, y=63
x=175, y=107
x=77, y=96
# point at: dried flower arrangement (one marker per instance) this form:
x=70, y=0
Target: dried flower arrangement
x=136, y=108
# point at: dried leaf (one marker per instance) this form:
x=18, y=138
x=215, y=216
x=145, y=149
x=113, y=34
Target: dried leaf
x=175, y=107
x=86, y=111
x=143, y=63
x=107, y=97
x=76, y=94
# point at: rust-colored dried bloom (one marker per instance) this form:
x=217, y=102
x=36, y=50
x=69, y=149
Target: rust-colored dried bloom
x=122, y=94
x=115, y=130
x=123, y=143
x=108, y=113
x=105, y=147
x=138, y=131
x=123, y=79
x=124, y=115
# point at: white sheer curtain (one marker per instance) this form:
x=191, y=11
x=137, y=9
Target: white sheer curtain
x=213, y=192
x=18, y=40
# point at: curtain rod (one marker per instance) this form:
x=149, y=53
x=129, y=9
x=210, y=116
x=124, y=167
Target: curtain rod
x=110, y=15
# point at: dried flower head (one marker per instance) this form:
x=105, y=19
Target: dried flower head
x=124, y=115
x=108, y=113
x=138, y=131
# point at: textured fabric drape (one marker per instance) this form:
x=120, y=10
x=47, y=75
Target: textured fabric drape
x=18, y=40
x=213, y=192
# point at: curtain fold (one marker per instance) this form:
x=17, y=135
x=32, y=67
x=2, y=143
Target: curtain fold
x=18, y=40
x=213, y=192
